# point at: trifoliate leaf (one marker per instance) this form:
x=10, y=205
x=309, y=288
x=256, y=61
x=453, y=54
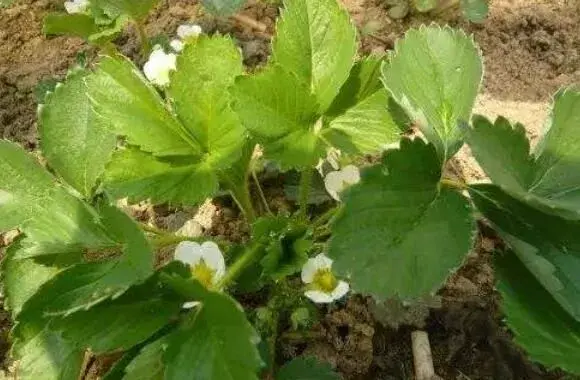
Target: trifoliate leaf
x=72, y=138
x=148, y=365
x=215, y=342
x=383, y=239
x=549, y=176
x=84, y=285
x=44, y=354
x=280, y=113
x=136, y=9
x=209, y=65
x=475, y=10
x=434, y=73
x=316, y=40
x=306, y=368
x=223, y=8
x=126, y=321
x=546, y=332
x=548, y=245
x=139, y=175
x=143, y=118
x=53, y=220
x=77, y=25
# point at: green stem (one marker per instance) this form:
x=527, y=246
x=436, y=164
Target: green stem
x=251, y=255
x=145, y=45
x=241, y=195
x=322, y=219
x=152, y=229
x=171, y=239
x=304, y=190
x=261, y=193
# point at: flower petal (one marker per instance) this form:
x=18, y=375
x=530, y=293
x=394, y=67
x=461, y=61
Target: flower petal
x=340, y=291
x=188, y=30
x=334, y=184
x=177, y=45
x=188, y=252
x=158, y=66
x=318, y=296
x=76, y=6
x=313, y=265
x=350, y=174
x=213, y=257
x=190, y=305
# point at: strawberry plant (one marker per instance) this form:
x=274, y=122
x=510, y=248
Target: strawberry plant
x=84, y=279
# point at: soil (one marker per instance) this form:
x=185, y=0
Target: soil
x=530, y=47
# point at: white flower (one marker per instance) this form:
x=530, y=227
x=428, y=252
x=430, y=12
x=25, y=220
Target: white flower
x=205, y=261
x=323, y=287
x=158, y=66
x=177, y=45
x=76, y=6
x=332, y=157
x=189, y=30
x=337, y=181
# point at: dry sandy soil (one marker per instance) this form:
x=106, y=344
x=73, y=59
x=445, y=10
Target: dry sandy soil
x=530, y=47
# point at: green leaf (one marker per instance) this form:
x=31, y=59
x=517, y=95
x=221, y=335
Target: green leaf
x=383, y=239
x=306, y=368
x=53, y=220
x=503, y=152
x=286, y=245
x=366, y=128
x=143, y=119
x=318, y=193
x=209, y=65
x=223, y=8
x=85, y=285
x=558, y=153
x=136, y=9
x=6, y=3
x=475, y=10
x=280, y=114
x=215, y=342
x=549, y=176
x=546, y=332
x=148, y=365
x=425, y=5
x=126, y=321
x=78, y=25
x=434, y=73
x=140, y=176
x=73, y=140
x=22, y=278
x=316, y=40
x=44, y=354
x=548, y=245
x=363, y=81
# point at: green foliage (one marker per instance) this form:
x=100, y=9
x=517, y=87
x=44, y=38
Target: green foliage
x=383, y=238
x=215, y=341
x=83, y=26
x=475, y=10
x=136, y=9
x=434, y=74
x=547, y=332
x=73, y=138
x=306, y=368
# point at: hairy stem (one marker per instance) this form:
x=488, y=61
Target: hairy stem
x=145, y=45
x=304, y=191
x=251, y=255
x=324, y=218
x=243, y=199
x=261, y=193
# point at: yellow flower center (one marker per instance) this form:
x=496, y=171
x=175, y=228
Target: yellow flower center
x=324, y=281
x=203, y=273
